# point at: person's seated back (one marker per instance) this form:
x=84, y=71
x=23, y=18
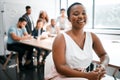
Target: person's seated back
x=52, y=28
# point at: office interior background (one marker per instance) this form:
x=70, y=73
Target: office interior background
x=103, y=19
x=102, y=15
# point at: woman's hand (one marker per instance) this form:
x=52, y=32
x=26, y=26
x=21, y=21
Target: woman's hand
x=100, y=73
x=101, y=70
x=96, y=74
x=93, y=75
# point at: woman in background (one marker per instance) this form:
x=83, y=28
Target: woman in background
x=38, y=34
x=38, y=30
x=43, y=15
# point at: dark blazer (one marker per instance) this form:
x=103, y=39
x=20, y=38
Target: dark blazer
x=35, y=32
x=29, y=24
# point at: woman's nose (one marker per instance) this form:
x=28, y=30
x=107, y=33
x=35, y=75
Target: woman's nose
x=80, y=16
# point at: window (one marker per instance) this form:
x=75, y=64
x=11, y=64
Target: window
x=63, y=4
x=107, y=14
x=102, y=14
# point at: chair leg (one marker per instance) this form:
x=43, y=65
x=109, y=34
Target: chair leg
x=6, y=62
x=17, y=62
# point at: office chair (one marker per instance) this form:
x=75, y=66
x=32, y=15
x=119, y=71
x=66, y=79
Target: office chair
x=9, y=56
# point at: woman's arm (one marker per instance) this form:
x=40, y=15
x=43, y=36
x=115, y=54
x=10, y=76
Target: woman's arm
x=59, y=48
x=98, y=48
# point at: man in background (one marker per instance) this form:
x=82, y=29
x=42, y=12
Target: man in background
x=52, y=28
x=62, y=20
x=15, y=34
x=30, y=23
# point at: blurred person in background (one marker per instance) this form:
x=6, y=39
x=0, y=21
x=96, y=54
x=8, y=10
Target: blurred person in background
x=62, y=20
x=39, y=34
x=52, y=28
x=15, y=34
x=30, y=24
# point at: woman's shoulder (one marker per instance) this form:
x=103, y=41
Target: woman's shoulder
x=93, y=36
x=59, y=41
x=90, y=33
x=59, y=36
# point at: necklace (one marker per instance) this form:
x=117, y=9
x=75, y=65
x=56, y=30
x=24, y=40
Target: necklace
x=80, y=40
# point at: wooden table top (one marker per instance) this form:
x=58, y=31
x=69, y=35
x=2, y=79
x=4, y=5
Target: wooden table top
x=43, y=43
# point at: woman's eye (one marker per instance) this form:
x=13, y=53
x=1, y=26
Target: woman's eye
x=84, y=13
x=76, y=14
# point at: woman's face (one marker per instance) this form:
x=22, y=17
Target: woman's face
x=40, y=25
x=78, y=16
x=43, y=15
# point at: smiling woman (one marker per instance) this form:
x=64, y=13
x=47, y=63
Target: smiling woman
x=77, y=16
x=89, y=10
x=72, y=50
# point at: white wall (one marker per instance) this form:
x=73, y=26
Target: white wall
x=17, y=9
x=1, y=32
x=13, y=9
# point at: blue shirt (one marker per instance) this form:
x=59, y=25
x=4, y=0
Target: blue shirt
x=18, y=31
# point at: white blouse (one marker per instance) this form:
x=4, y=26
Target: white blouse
x=78, y=58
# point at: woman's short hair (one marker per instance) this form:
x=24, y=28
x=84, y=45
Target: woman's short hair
x=69, y=9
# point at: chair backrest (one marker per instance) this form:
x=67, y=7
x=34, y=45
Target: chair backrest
x=5, y=41
x=48, y=64
x=3, y=46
